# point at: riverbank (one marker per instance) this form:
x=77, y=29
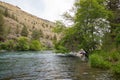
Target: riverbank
x=22, y=44
x=106, y=61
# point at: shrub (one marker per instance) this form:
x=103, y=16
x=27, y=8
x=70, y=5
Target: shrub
x=23, y=44
x=2, y=28
x=3, y=46
x=35, y=45
x=36, y=34
x=116, y=69
x=98, y=62
x=6, y=13
x=24, y=31
x=114, y=56
x=61, y=49
x=10, y=45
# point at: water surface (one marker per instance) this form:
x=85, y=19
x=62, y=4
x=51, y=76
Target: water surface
x=46, y=66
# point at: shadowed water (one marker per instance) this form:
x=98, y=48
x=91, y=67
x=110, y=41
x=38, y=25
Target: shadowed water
x=46, y=66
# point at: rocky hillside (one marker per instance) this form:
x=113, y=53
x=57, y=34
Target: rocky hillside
x=16, y=19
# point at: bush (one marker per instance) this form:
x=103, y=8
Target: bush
x=2, y=28
x=36, y=34
x=35, y=45
x=116, y=69
x=6, y=13
x=10, y=45
x=114, y=56
x=23, y=44
x=97, y=61
x=3, y=46
x=24, y=31
x=61, y=49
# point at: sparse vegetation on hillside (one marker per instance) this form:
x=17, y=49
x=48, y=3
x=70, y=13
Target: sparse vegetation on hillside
x=6, y=13
x=24, y=31
x=2, y=28
x=14, y=19
x=36, y=34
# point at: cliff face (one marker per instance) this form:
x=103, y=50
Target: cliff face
x=18, y=18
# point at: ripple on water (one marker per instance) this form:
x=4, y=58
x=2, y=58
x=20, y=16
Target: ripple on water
x=46, y=66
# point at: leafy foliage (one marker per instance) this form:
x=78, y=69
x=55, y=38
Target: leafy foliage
x=35, y=45
x=88, y=20
x=24, y=31
x=59, y=27
x=36, y=34
x=118, y=39
x=8, y=45
x=107, y=44
x=6, y=13
x=3, y=46
x=72, y=39
x=116, y=69
x=113, y=6
x=109, y=61
x=1, y=20
x=89, y=26
x=60, y=48
x=97, y=61
x=2, y=28
x=23, y=44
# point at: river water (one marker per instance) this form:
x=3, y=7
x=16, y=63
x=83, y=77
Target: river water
x=46, y=65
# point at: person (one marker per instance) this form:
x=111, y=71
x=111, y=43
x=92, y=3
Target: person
x=84, y=53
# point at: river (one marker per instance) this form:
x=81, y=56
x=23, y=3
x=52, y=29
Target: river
x=46, y=65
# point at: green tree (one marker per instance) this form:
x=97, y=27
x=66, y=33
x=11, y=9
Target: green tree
x=6, y=13
x=22, y=44
x=11, y=44
x=2, y=29
x=35, y=45
x=24, y=31
x=88, y=20
x=1, y=20
x=89, y=25
x=59, y=27
x=8, y=45
x=36, y=34
x=17, y=29
x=1, y=11
x=113, y=6
x=3, y=46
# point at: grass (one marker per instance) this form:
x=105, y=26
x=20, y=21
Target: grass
x=107, y=61
x=97, y=61
x=115, y=69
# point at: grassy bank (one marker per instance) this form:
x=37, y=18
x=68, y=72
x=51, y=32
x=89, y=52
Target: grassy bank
x=106, y=60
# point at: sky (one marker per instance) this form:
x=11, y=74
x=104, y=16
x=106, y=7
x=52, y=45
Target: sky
x=46, y=9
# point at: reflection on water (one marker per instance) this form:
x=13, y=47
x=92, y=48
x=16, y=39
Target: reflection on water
x=46, y=66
